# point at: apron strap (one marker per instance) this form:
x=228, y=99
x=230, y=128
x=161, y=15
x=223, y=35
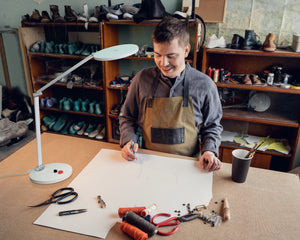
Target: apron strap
x=185, y=90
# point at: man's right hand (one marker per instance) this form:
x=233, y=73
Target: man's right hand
x=128, y=152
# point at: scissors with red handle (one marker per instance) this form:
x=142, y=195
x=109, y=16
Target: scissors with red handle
x=172, y=221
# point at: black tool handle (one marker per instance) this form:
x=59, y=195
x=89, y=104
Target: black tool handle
x=189, y=217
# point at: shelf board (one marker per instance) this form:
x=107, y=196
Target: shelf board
x=118, y=88
x=72, y=112
x=113, y=116
x=258, y=88
x=56, y=24
x=74, y=86
x=56, y=55
x=259, y=117
x=143, y=23
x=277, y=53
x=270, y=152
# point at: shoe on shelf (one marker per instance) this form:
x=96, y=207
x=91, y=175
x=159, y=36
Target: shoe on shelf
x=82, y=130
x=98, y=108
x=60, y=123
x=237, y=42
x=51, y=102
x=94, y=17
x=246, y=80
x=84, y=105
x=66, y=128
x=96, y=131
x=55, y=14
x=251, y=40
x=92, y=107
x=77, y=105
x=48, y=120
x=35, y=16
x=76, y=127
x=67, y=104
x=269, y=45
x=255, y=80
x=101, y=135
x=215, y=42
x=45, y=17
x=91, y=127
x=70, y=14
x=85, y=15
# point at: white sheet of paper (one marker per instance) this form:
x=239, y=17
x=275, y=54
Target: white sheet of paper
x=167, y=182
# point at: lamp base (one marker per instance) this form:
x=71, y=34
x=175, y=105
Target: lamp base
x=50, y=173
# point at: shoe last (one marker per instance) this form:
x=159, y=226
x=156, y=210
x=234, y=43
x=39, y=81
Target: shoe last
x=84, y=105
x=98, y=108
x=269, y=45
x=67, y=106
x=77, y=104
x=51, y=102
x=43, y=102
x=92, y=107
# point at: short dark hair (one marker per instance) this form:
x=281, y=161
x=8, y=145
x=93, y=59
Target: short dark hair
x=170, y=28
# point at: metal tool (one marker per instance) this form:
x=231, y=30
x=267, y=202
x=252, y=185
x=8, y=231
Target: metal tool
x=58, y=197
x=71, y=212
x=172, y=221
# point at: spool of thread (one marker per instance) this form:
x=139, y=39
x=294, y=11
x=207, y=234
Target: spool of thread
x=209, y=72
x=132, y=231
x=146, y=211
x=137, y=221
x=216, y=75
x=137, y=210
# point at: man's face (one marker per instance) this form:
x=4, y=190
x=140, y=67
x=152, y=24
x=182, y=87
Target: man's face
x=170, y=57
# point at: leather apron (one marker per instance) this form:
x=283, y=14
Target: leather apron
x=169, y=124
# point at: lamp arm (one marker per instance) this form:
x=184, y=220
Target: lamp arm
x=38, y=92
x=37, y=109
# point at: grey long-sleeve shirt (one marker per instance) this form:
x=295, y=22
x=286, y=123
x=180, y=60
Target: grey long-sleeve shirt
x=206, y=104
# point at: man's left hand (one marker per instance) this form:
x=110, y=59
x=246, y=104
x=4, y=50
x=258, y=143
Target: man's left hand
x=209, y=162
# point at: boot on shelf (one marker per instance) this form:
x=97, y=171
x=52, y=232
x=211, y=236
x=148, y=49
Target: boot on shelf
x=251, y=41
x=69, y=14
x=84, y=17
x=237, y=41
x=55, y=14
x=269, y=45
x=35, y=16
x=45, y=17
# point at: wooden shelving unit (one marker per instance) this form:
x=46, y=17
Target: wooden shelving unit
x=281, y=120
x=37, y=61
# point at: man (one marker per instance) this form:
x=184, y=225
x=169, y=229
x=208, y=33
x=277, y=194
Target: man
x=175, y=104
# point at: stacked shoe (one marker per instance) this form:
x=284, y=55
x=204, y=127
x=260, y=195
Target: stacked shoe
x=215, y=42
x=11, y=130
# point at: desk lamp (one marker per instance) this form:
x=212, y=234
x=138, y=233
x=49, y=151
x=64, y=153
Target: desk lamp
x=56, y=172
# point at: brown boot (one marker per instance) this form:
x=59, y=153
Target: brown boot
x=69, y=15
x=35, y=17
x=55, y=14
x=269, y=45
x=45, y=17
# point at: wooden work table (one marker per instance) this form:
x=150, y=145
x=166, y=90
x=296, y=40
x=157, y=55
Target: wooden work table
x=266, y=206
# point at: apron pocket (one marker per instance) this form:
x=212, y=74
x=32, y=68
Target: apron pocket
x=167, y=135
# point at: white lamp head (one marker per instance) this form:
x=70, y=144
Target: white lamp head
x=115, y=52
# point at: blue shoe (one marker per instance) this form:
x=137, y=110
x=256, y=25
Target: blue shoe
x=77, y=104
x=60, y=123
x=51, y=102
x=65, y=130
x=84, y=105
x=92, y=107
x=76, y=127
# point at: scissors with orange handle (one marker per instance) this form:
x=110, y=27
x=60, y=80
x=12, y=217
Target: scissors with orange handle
x=172, y=221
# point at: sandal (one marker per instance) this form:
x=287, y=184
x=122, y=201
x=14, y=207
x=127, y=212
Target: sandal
x=256, y=80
